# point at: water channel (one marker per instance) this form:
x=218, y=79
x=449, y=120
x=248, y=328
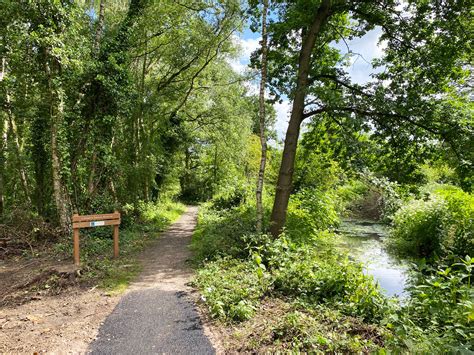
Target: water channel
x=364, y=241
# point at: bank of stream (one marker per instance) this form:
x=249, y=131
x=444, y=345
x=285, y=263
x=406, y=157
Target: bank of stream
x=364, y=241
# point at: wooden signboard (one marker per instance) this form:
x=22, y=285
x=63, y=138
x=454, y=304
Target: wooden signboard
x=91, y=221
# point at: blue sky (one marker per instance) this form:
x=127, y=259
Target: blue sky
x=359, y=70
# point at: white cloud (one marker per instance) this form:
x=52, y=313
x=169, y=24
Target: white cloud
x=237, y=66
x=365, y=49
x=246, y=47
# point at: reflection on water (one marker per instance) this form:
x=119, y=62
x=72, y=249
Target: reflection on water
x=363, y=240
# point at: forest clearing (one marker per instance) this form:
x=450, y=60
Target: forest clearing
x=282, y=176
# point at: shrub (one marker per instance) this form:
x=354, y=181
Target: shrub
x=324, y=277
x=307, y=274
x=439, y=315
x=300, y=272
x=221, y=233
x=350, y=193
x=229, y=199
x=418, y=227
x=440, y=224
x=311, y=210
x=460, y=223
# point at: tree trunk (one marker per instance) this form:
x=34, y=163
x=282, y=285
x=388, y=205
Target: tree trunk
x=3, y=144
x=56, y=107
x=91, y=181
x=263, y=139
x=215, y=170
x=18, y=154
x=100, y=27
x=12, y=133
x=98, y=35
x=285, y=175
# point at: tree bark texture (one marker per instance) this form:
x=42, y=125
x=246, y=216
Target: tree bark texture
x=285, y=175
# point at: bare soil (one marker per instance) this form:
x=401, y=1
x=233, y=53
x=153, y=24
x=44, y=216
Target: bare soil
x=44, y=308
x=64, y=323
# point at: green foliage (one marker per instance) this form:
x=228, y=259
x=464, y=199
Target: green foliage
x=440, y=224
x=301, y=271
x=327, y=291
x=160, y=215
x=221, y=232
x=229, y=199
x=350, y=192
x=325, y=330
x=226, y=298
x=418, y=227
x=317, y=275
x=439, y=315
x=311, y=210
x=438, y=173
x=118, y=97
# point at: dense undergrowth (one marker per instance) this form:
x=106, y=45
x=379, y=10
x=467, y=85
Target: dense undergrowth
x=323, y=300
x=140, y=225
x=438, y=223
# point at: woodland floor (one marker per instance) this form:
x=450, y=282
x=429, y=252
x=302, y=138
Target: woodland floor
x=43, y=308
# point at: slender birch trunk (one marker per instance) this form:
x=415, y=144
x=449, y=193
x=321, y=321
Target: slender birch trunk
x=263, y=139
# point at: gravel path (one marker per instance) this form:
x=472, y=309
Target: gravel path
x=156, y=315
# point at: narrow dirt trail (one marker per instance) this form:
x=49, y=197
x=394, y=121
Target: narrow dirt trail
x=157, y=315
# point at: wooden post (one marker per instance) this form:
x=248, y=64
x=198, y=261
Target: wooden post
x=91, y=221
x=116, y=240
x=76, y=244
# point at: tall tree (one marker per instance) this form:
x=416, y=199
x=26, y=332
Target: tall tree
x=263, y=138
x=282, y=196
x=404, y=101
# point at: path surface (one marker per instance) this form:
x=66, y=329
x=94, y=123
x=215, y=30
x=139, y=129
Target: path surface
x=156, y=315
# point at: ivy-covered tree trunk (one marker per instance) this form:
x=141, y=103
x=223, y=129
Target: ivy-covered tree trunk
x=56, y=111
x=3, y=144
x=12, y=133
x=263, y=138
x=100, y=26
x=97, y=43
x=285, y=175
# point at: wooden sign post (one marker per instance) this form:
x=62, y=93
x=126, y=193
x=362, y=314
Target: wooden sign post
x=91, y=221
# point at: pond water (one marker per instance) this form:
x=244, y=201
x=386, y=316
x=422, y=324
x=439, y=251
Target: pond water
x=364, y=242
